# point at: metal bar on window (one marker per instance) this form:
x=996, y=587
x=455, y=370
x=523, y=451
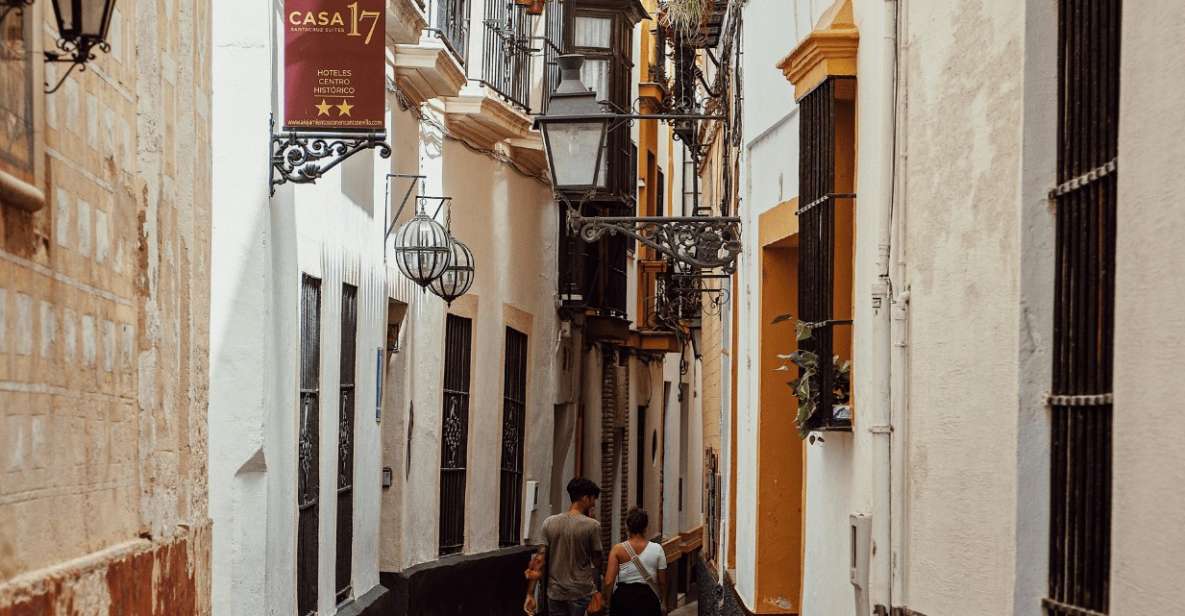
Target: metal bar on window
x=1084, y=307
x=514, y=399
x=308, y=460
x=345, y=451
x=454, y=434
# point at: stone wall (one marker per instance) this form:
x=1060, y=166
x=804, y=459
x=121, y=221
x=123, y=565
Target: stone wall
x=104, y=295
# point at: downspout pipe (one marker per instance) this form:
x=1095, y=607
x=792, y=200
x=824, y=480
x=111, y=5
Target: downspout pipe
x=881, y=424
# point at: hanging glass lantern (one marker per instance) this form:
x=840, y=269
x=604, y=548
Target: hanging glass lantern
x=423, y=249
x=457, y=278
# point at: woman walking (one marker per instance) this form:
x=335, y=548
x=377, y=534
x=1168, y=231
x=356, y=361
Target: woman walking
x=638, y=567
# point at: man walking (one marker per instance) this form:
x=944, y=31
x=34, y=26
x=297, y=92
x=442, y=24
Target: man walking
x=571, y=555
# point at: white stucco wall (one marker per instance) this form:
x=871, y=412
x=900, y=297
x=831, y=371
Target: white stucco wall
x=961, y=245
x=332, y=230
x=1148, y=540
x=769, y=176
x=509, y=222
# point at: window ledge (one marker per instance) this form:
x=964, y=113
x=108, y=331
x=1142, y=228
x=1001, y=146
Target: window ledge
x=427, y=70
x=19, y=193
x=406, y=20
x=484, y=120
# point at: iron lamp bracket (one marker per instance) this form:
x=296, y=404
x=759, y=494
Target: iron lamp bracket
x=706, y=242
x=304, y=157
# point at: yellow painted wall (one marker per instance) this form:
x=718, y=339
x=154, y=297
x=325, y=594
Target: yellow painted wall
x=780, y=459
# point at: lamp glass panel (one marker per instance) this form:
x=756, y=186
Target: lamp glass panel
x=573, y=148
x=65, y=11
x=94, y=17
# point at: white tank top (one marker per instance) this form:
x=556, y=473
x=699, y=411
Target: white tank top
x=653, y=557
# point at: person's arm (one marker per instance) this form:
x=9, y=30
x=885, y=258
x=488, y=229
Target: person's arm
x=534, y=573
x=611, y=573
x=662, y=579
x=662, y=587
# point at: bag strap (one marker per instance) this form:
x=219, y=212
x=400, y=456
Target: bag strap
x=642, y=570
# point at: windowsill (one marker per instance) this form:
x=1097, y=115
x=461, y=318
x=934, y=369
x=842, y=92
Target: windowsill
x=19, y=193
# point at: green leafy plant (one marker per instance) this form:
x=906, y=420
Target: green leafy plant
x=804, y=387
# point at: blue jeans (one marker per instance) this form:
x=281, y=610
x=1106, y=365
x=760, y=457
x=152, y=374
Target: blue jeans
x=576, y=607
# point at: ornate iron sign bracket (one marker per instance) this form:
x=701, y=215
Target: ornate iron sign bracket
x=303, y=157
x=707, y=242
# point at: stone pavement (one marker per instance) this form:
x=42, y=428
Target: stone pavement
x=691, y=609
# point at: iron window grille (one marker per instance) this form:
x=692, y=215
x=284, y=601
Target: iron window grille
x=821, y=224
x=454, y=433
x=658, y=68
x=553, y=37
x=514, y=406
x=1084, y=307
x=712, y=505
x=450, y=22
x=506, y=57
x=345, y=449
x=308, y=476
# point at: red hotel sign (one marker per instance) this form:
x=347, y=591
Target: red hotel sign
x=334, y=57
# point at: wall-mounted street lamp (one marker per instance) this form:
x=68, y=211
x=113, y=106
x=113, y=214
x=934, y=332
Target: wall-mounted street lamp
x=457, y=278
x=426, y=252
x=574, y=132
x=423, y=248
x=82, y=28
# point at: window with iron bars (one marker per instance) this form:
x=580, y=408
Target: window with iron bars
x=1084, y=307
x=345, y=439
x=454, y=448
x=308, y=475
x=450, y=23
x=507, y=51
x=825, y=219
x=712, y=488
x=514, y=406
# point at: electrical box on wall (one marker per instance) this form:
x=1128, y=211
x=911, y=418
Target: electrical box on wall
x=531, y=498
x=860, y=551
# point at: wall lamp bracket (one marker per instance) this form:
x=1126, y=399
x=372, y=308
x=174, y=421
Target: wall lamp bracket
x=706, y=242
x=304, y=157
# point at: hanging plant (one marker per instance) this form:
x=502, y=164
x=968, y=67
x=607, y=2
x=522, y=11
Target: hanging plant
x=804, y=387
x=685, y=16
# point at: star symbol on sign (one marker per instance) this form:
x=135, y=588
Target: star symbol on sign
x=344, y=108
x=323, y=108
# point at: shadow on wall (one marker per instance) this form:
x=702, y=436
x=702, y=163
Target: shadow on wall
x=493, y=584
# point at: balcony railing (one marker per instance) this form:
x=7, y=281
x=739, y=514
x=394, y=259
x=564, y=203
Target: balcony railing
x=450, y=23
x=506, y=51
x=552, y=44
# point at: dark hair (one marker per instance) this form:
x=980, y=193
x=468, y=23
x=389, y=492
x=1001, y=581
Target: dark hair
x=580, y=487
x=637, y=520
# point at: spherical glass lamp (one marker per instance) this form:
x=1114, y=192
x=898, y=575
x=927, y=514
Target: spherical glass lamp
x=423, y=249
x=457, y=278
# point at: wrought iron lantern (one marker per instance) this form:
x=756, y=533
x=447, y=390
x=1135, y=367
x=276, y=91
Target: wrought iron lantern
x=457, y=278
x=423, y=249
x=574, y=131
x=82, y=28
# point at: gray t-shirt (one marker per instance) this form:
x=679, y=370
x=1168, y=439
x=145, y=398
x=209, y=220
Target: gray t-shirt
x=571, y=541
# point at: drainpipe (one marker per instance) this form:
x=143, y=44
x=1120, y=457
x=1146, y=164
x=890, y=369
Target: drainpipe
x=881, y=424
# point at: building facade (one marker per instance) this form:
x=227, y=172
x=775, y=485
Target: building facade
x=104, y=290
x=955, y=229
